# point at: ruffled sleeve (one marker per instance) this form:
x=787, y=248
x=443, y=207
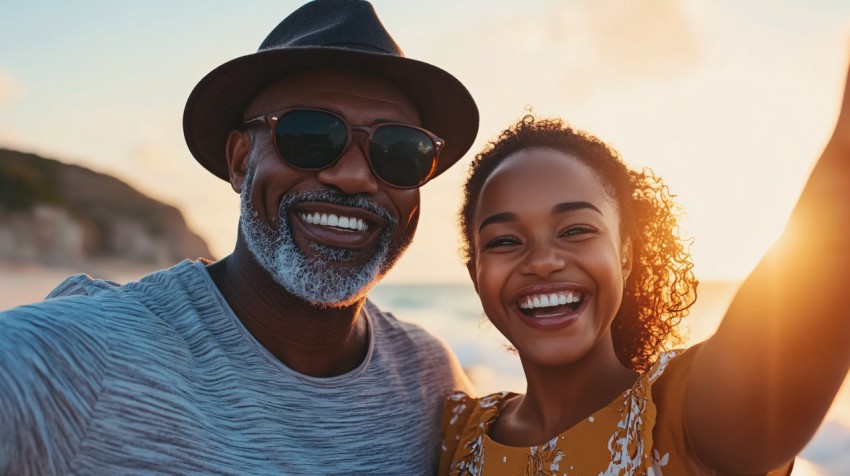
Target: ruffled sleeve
x=458, y=407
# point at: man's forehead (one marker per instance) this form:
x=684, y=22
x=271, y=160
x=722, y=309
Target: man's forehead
x=329, y=88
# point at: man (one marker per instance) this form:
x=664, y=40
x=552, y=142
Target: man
x=271, y=360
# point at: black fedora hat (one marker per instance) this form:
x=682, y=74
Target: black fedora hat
x=341, y=34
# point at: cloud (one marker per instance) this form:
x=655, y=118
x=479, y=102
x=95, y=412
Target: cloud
x=9, y=88
x=643, y=37
x=584, y=47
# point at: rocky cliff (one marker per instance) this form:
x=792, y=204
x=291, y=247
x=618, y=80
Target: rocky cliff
x=60, y=214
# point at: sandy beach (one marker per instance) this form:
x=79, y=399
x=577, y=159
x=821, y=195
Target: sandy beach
x=24, y=284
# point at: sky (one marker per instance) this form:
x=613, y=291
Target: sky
x=729, y=102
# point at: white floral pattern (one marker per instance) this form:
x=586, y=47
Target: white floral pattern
x=545, y=460
x=471, y=463
x=627, y=445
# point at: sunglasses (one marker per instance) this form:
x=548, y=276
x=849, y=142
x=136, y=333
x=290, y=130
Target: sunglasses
x=400, y=155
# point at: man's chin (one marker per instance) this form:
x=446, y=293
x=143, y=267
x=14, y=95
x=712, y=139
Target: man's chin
x=325, y=284
x=359, y=279
x=322, y=276
x=353, y=300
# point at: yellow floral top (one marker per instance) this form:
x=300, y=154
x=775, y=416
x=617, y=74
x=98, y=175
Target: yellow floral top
x=639, y=433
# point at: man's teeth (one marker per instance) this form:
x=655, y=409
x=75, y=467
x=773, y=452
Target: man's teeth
x=549, y=300
x=329, y=219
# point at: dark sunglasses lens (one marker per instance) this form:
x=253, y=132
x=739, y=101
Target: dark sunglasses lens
x=310, y=139
x=402, y=156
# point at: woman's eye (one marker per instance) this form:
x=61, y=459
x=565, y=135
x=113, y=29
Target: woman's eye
x=500, y=242
x=578, y=230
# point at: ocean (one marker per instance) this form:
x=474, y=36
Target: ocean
x=453, y=313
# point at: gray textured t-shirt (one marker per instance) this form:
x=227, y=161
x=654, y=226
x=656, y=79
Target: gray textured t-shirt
x=159, y=376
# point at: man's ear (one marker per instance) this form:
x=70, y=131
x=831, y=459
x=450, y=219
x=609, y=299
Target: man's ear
x=470, y=266
x=238, y=150
x=626, y=259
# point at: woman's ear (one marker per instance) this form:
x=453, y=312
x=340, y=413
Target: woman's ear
x=626, y=259
x=473, y=275
x=238, y=151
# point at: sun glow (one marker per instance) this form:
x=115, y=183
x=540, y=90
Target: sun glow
x=729, y=103
x=733, y=138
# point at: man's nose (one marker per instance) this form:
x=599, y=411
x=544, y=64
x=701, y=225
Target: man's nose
x=351, y=174
x=543, y=260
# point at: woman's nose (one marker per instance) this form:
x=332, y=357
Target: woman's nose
x=543, y=261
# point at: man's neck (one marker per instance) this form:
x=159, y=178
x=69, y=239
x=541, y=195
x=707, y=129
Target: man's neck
x=311, y=340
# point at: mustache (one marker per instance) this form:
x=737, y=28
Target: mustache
x=337, y=198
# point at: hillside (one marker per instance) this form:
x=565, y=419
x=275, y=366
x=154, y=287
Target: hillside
x=54, y=213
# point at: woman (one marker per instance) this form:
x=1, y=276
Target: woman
x=578, y=262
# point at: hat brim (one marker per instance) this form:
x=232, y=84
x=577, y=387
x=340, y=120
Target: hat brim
x=216, y=105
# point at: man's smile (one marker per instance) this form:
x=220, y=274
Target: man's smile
x=337, y=225
x=333, y=221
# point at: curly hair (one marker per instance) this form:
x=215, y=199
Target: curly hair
x=661, y=287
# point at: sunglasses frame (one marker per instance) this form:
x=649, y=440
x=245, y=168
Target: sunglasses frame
x=272, y=118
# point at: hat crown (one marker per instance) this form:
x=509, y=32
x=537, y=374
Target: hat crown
x=344, y=34
x=349, y=24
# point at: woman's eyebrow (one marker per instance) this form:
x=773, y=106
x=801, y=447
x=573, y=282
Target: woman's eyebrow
x=571, y=206
x=497, y=218
x=558, y=208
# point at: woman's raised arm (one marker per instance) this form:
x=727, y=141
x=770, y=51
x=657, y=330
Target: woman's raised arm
x=762, y=384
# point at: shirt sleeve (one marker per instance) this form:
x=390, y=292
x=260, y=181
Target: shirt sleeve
x=52, y=361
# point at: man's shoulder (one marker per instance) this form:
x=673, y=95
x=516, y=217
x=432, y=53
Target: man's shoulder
x=80, y=306
x=85, y=285
x=63, y=337
x=69, y=308
x=61, y=316
x=83, y=321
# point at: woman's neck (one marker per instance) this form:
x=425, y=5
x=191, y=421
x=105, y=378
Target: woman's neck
x=558, y=397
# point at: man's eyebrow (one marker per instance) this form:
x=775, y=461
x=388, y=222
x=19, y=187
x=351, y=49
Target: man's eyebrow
x=570, y=206
x=372, y=123
x=381, y=120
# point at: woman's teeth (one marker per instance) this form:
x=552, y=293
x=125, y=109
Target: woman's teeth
x=549, y=300
x=329, y=219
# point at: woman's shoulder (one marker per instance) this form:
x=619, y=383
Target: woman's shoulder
x=665, y=384
x=654, y=385
x=460, y=407
x=669, y=374
x=486, y=401
x=662, y=364
x=671, y=440
x=462, y=416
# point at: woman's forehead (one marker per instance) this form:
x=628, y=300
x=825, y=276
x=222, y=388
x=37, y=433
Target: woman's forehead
x=545, y=176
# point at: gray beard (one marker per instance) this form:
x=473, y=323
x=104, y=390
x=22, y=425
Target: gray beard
x=311, y=278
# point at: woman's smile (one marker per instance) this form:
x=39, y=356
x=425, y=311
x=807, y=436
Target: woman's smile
x=553, y=306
